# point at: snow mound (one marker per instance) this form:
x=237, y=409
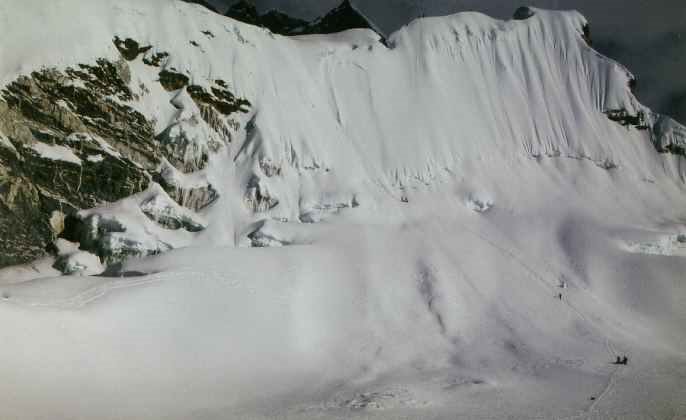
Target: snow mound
x=72, y=261
x=145, y=224
x=56, y=152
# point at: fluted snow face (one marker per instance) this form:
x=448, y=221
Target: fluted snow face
x=338, y=117
x=341, y=118
x=450, y=88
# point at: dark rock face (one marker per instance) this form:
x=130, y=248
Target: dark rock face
x=71, y=139
x=523, y=13
x=219, y=98
x=49, y=99
x=24, y=231
x=155, y=60
x=129, y=48
x=586, y=33
x=196, y=197
x=172, y=81
x=107, y=147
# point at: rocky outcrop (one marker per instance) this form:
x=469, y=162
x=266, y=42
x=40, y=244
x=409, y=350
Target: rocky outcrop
x=169, y=215
x=73, y=261
x=109, y=239
x=148, y=223
x=219, y=98
x=171, y=80
x=669, y=136
x=69, y=142
x=624, y=117
x=187, y=143
x=192, y=192
x=71, y=139
x=24, y=231
x=90, y=99
x=257, y=197
x=129, y=48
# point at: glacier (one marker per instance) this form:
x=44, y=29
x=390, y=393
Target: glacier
x=467, y=220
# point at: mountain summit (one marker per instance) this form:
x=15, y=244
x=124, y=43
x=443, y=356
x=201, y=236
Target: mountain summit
x=244, y=11
x=275, y=21
x=343, y=17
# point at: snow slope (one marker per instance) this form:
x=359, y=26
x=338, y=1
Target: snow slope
x=433, y=198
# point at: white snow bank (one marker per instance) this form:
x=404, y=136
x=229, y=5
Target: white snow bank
x=95, y=158
x=42, y=268
x=86, y=137
x=144, y=224
x=56, y=152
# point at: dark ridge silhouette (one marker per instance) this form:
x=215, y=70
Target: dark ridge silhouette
x=342, y=18
x=281, y=23
x=245, y=11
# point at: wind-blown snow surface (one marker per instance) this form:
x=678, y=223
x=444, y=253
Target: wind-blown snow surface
x=453, y=186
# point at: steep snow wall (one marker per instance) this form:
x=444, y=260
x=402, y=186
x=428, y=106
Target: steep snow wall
x=450, y=88
x=334, y=117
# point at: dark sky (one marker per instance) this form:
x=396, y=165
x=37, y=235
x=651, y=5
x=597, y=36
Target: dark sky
x=648, y=36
